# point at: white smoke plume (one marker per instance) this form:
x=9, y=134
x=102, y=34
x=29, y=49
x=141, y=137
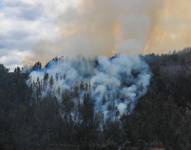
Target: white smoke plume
x=94, y=28
x=116, y=82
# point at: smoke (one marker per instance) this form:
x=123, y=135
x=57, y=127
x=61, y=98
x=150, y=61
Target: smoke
x=171, y=26
x=114, y=84
x=100, y=27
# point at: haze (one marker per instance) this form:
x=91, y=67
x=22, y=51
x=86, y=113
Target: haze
x=32, y=30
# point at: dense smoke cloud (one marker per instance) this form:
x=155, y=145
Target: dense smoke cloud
x=101, y=27
x=115, y=83
x=173, y=28
x=44, y=29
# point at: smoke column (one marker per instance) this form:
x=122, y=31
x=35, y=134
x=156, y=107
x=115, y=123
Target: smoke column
x=100, y=27
x=115, y=84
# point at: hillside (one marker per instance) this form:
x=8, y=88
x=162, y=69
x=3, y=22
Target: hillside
x=162, y=117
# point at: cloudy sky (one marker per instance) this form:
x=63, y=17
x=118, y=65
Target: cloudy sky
x=23, y=23
x=31, y=30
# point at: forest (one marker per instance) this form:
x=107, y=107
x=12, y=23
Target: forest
x=162, y=117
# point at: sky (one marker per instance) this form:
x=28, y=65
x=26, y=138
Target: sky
x=23, y=23
x=32, y=30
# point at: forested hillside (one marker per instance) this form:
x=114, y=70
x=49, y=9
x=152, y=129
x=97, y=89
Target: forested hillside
x=162, y=118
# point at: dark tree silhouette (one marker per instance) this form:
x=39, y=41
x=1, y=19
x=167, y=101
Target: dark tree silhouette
x=162, y=117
